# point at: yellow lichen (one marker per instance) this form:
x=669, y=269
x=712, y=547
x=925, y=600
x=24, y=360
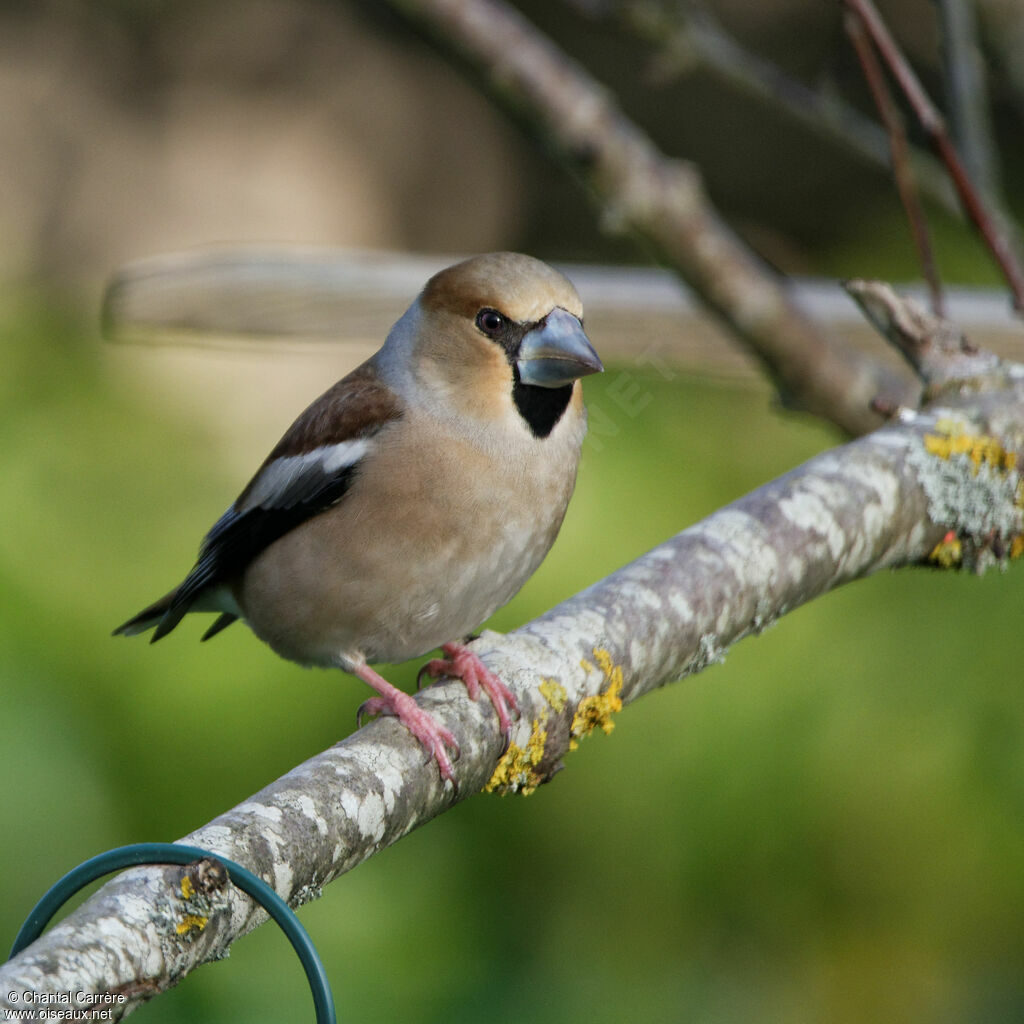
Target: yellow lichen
x=188, y=889
x=948, y=552
x=191, y=922
x=516, y=771
x=554, y=693
x=981, y=449
x=607, y=665
x=519, y=768
x=596, y=711
x=995, y=530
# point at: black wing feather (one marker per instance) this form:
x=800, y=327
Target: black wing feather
x=354, y=409
x=238, y=537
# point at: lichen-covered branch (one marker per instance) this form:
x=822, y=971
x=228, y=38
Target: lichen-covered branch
x=938, y=486
x=642, y=192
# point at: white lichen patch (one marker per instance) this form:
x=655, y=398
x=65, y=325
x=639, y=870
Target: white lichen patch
x=284, y=877
x=709, y=652
x=366, y=813
x=731, y=528
x=551, y=644
x=764, y=614
x=350, y=804
x=809, y=509
x=306, y=894
x=975, y=500
x=642, y=649
x=641, y=596
x=664, y=553
x=120, y=933
x=372, y=819
x=273, y=814
x=391, y=779
x=212, y=837
x=679, y=604
x=875, y=477
x=884, y=486
x=739, y=545
x=307, y=806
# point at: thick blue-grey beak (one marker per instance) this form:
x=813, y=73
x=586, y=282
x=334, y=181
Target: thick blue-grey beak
x=556, y=352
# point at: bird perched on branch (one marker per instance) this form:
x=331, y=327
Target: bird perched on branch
x=415, y=496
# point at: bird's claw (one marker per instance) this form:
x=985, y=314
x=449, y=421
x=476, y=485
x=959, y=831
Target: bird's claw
x=462, y=663
x=433, y=668
x=433, y=736
x=371, y=708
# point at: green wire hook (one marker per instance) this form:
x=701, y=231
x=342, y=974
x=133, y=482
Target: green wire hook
x=176, y=853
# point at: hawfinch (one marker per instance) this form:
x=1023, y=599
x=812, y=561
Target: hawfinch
x=415, y=496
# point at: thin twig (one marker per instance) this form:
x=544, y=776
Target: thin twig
x=688, y=36
x=995, y=235
x=902, y=173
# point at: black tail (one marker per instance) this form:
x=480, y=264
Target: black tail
x=223, y=621
x=162, y=614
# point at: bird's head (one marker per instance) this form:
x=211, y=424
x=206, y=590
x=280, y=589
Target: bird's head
x=499, y=334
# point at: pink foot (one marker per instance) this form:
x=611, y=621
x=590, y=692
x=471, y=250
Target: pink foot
x=462, y=663
x=422, y=724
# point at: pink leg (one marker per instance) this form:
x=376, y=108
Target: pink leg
x=392, y=701
x=459, y=661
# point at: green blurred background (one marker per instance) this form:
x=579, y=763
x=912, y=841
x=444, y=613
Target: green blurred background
x=827, y=827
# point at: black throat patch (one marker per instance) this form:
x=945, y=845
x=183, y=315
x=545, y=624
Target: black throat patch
x=541, y=408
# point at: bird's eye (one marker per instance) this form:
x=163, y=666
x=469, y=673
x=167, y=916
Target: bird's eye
x=490, y=321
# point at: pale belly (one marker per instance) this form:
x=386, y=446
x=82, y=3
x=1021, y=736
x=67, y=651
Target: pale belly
x=429, y=541
x=341, y=589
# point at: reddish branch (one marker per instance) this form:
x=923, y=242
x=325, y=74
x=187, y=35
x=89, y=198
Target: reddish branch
x=996, y=237
x=901, y=169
